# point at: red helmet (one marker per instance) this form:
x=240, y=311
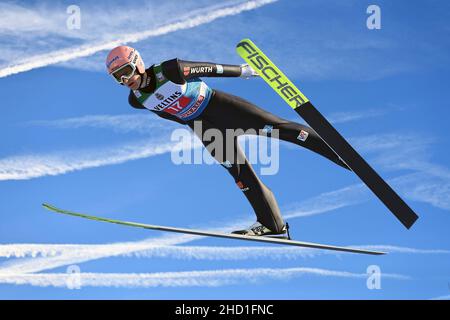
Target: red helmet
x=123, y=61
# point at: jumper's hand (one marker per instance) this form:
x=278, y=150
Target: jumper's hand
x=247, y=71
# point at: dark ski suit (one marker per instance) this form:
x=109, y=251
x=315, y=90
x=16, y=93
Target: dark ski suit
x=226, y=111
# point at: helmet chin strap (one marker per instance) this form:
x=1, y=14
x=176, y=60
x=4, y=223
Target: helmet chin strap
x=145, y=80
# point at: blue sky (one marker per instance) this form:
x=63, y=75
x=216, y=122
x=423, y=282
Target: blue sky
x=71, y=139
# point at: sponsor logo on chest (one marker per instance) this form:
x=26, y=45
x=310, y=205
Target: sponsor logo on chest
x=167, y=101
x=166, y=95
x=176, y=99
x=178, y=106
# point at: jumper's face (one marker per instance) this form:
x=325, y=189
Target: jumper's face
x=133, y=82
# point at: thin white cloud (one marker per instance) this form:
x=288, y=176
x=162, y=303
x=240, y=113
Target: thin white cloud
x=17, y=18
x=430, y=183
x=421, y=187
x=344, y=117
x=34, y=166
x=425, y=187
x=328, y=201
x=84, y=254
x=64, y=55
x=140, y=123
x=53, y=256
x=147, y=250
x=208, y=278
x=320, y=204
x=144, y=124
x=393, y=152
x=406, y=250
x=386, y=142
x=412, y=185
x=120, y=123
x=446, y=297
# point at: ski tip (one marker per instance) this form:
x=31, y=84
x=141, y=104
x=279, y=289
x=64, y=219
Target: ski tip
x=50, y=207
x=246, y=40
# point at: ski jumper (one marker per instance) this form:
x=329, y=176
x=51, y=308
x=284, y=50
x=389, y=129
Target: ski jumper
x=174, y=91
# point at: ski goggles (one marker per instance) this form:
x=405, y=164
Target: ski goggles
x=124, y=72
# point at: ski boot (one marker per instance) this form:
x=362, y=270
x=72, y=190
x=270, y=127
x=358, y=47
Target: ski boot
x=257, y=229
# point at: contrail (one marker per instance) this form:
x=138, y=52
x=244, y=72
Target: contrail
x=90, y=253
x=320, y=204
x=88, y=50
x=149, y=250
x=29, y=265
x=405, y=250
x=209, y=278
x=446, y=297
x=119, y=123
x=38, y=165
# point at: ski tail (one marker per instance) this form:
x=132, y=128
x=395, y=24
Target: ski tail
x=278, y=81
x=359, y=166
